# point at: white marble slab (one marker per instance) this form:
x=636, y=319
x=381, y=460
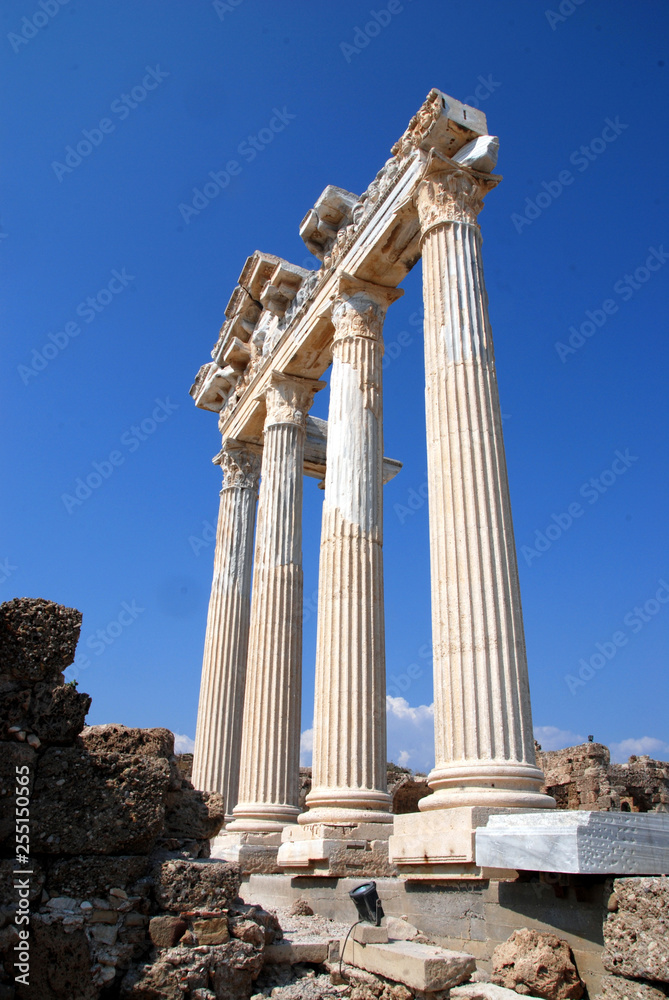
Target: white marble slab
x=579, y=841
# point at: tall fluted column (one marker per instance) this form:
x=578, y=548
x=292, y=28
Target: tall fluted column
x=269, y=774
x=349, y=759
x=219, y=720
x=483, y=724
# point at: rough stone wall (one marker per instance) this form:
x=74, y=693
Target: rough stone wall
x=582, y=777
x=116, y=896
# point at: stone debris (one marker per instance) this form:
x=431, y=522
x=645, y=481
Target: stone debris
x=617, y=988
x=583, y=777
x=636, y=934
x=537, y=963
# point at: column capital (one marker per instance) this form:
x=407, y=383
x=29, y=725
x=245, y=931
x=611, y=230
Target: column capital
x=450, y=192
x=240, y=465
x=288, y=398
x=359, y=307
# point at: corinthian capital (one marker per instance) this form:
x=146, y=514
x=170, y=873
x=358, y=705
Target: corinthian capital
x=288, y=398
x=359, y=308
x=451, y=192
x=240, y=465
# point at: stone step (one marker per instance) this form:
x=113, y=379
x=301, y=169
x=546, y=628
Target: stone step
x=418, y=966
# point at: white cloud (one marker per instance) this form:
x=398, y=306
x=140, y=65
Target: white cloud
x=183, y=743
x=552, y=738
x=410, y=734
x=306, y=747
x=643, y=745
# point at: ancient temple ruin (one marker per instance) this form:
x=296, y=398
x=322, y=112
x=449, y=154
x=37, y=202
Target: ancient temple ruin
x=284, y=327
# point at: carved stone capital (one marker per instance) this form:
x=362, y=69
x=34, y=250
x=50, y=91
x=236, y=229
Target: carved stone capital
x=359, y=308
x=451, y=193
x=288, y=399
x=240, y=465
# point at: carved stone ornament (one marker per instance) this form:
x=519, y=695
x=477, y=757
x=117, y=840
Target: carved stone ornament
x=359, y=308
x=451, y=193
x=420, y=125
x=288, y=399
x=241, y=467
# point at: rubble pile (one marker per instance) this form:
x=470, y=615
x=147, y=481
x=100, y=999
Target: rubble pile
x=583, y=777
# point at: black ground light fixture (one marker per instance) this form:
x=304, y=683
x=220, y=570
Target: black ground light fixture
x=367, y=903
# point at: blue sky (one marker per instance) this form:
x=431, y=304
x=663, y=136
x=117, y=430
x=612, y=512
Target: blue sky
x=113, y=296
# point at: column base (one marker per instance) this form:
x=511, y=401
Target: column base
x=442, y=844
x=346, y=807
x=254, y=817
x=503, y=785
x=255, y=853
x=357, y=850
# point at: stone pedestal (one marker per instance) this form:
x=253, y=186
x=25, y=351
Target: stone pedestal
x=269, y=773
x=349, y=760
x=219, y=721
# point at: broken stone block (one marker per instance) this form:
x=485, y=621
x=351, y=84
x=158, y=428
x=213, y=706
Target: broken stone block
x=83, y=877
x=157, y=742
x=636, y=936
x=60, y=963
x=214, y=930
x=192, y=885
x=617, y=988
x=38, y=639
x=538, y=963
x=165, y=931
x=192, y=814
x=92, y=803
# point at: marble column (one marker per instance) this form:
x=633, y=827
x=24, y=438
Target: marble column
x=484, y=744
x=349, y=757
x=269, y=773
x=219, y=720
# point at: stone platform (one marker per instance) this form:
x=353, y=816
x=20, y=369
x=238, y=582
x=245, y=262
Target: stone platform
x=578, y=842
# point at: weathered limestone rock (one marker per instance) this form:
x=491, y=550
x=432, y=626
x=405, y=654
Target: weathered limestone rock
x=219, y=726
x=636, y=935
x=112, y=737
x=486, y=991
x=189, y=885
x=60, y=964
x=537, y=963
x=94, y=875
x=617, y=988
x=88, y=803
x=167, y=930
x=224, y=971
x=38, y=639
x=190, y=814
x=269, y=769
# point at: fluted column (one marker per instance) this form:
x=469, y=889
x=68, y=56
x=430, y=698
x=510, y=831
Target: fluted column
x=349, y=758
x=219, y=719
x=483, y=724
x=269, y=773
